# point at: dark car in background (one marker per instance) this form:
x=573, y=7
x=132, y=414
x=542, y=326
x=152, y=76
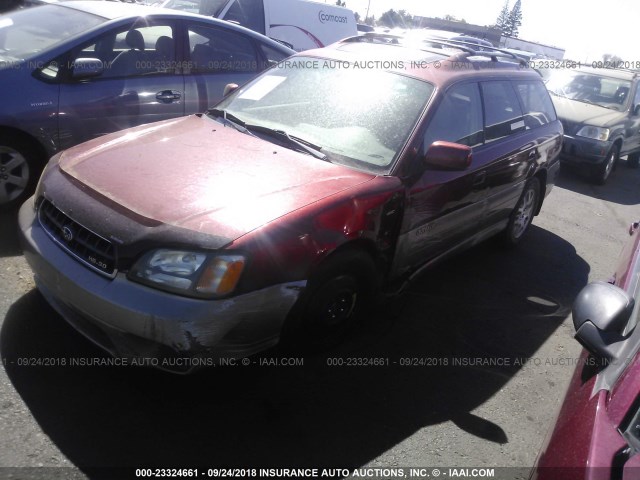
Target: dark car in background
x=282, y=212
x=600, y=112
x=82, y=69
x=597, y=432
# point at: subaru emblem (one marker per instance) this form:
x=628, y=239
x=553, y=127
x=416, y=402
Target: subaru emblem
x=67, y=234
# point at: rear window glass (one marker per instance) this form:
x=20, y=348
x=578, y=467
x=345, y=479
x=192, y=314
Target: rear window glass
x=538, y=109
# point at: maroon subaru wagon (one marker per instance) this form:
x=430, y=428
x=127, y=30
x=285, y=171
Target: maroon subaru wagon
x=281, y=213
x=597, y=433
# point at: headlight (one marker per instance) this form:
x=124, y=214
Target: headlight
x=195, y=274
x=597, y=133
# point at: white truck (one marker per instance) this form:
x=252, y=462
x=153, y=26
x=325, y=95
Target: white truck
x=300, y=24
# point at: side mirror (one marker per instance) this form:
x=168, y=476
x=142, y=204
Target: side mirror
x=601, y=313
x=229, y=88
x=87, y=68
x=636, y=110
x=448, y=156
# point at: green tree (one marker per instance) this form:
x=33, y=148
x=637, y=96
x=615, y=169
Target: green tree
x=610, y=59
x=515, y=20
x=503, y=18
x=393, y=19
x=451, y=18
x=357, y=15
x=407, y=18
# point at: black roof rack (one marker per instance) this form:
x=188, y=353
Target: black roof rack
x=467, y=48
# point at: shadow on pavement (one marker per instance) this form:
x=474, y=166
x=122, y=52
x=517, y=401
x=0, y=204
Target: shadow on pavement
x=9, y=244
x=486, y=303
x=623, y=186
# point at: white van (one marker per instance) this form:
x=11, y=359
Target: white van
x=299, y=24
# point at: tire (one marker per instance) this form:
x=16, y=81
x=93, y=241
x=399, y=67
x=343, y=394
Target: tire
x=336, y=297
x=633, y=160
x=523, y=214
x=602, y=172
x=19, y=168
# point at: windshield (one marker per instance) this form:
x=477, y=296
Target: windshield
x=25, y=33
x=356, y=117
x=591, y=88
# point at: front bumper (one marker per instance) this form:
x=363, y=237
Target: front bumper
x=134, y=321
x=584, y=151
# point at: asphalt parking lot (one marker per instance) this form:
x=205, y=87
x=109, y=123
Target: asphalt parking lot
x=466, y=369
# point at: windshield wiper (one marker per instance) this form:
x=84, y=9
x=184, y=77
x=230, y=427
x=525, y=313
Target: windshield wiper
x=243, y=127
x=296, y=142
x=229, y=119
x=589, y=102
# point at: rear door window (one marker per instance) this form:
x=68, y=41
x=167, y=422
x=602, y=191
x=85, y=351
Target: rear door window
x=503, y=114
x=538, y=109
x=216, y=50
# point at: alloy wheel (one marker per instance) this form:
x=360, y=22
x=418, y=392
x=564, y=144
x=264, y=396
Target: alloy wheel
x=524, y=213
x=14, y=174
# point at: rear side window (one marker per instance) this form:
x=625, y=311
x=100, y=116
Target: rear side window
x=503, y=114
x=220, y=51
x=272, y=55
x=458, y=118
x=538, y=109
x=248, y=13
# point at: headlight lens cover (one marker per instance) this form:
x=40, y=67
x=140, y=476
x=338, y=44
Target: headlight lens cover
x=195, y=274
x=597, y=133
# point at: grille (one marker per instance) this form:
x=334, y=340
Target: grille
x=89, y=248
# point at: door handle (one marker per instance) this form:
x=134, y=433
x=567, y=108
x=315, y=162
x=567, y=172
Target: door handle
x=168, y=95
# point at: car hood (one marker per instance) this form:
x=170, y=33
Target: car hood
x=577, y=112
x=197, y=174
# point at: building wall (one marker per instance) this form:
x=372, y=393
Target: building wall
x=491, y=34
x=539, y=48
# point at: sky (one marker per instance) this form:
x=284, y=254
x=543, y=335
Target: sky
x=585, y=29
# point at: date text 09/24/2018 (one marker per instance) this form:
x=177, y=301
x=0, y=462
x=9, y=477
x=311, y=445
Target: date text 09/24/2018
x=299, y=473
